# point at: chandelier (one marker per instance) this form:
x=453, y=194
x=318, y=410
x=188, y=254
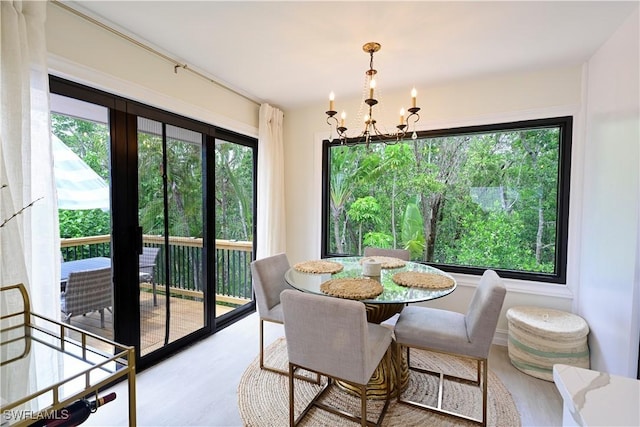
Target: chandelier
x=370, y=131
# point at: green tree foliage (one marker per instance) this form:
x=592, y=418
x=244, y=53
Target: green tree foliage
x=150, y=184
x=483, y=200
x=493, y=239
x=234, y=191
x=364, y=211
x=89, y=140
x=412, y=227
x=377, y=239
x=184, y=181
x=91, y=222
x=183, y=173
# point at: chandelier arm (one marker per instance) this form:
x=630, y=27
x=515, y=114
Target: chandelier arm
x=342, y=132
x=377, y=132
x=333, y=123
x=402, y=130
x=388, y=139
x=414, y=117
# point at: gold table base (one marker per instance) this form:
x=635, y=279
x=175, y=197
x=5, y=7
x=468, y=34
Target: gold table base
x=382, y=379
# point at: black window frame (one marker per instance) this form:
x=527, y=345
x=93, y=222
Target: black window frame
x=564, y=123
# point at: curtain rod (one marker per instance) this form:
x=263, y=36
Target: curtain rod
x=176, y=64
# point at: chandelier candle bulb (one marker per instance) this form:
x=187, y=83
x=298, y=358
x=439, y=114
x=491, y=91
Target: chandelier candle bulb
x=342, y=117
x=414, y=95
x=331, y=101
x=372, y=86
x=402, y=116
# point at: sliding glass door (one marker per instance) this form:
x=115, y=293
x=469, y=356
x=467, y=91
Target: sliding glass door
x=171, y=218
x=235, y=165
x=80, y=136
x=178, y=223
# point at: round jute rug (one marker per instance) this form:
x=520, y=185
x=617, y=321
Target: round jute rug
x=263, y=396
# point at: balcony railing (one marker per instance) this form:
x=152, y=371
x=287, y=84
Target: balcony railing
x=233, y=258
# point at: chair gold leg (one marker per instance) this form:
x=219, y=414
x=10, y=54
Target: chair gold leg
x=279, y=371
x=399, y=373
x=261, y=344
x=389, y=367
x=292, y=416
x=485, y=391
x=317, y=400
x=409, y=357
x=363, y=405
x=388, y=399
x=482, y=376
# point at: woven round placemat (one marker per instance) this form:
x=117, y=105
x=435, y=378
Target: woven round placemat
x=385, y=261
x=318, y=267
x=352, y=288
x=263, y=396
x=423, y=280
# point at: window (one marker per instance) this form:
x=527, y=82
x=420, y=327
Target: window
x=463, y=199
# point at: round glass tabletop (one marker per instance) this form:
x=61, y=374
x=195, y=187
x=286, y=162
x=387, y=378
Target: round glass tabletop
x=392, y=294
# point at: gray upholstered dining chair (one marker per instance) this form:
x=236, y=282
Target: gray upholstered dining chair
x=468, y=335
x=331, y=336
x=402, y=254
x=85, y=292
x=268, y=282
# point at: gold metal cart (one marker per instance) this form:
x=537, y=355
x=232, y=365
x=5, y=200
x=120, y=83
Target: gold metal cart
x=44, y=369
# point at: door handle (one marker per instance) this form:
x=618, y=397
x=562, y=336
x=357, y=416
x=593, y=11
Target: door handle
x=140, y=243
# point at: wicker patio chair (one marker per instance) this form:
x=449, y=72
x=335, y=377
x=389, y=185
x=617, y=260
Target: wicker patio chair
x=147, y=264
x=86, y=292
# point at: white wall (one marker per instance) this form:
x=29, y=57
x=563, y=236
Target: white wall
x=609, y=292
x=85, y=53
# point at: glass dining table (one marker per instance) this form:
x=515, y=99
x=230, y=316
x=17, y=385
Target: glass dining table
x=390, y=302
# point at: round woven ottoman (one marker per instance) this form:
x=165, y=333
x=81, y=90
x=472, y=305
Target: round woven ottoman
x=540, y=337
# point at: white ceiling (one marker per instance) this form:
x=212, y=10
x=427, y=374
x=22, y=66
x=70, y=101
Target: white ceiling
x=293, y=53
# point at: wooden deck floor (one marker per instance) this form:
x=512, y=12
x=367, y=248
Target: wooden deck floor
x=186, y=316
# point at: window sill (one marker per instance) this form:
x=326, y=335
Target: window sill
x=521, y=286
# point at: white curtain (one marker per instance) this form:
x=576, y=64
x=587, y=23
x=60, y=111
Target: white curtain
x=270, y=217
x=29, y=236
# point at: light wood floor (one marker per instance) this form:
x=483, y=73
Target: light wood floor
x=197, y=387
x=186, y=316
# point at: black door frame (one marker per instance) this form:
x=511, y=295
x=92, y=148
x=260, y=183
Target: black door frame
x=126, y=241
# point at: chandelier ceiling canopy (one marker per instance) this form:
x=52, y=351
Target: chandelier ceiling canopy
x=370, y=132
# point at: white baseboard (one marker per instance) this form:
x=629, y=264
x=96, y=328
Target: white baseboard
x=501, y=337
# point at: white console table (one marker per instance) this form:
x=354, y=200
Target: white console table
x=593, y=398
